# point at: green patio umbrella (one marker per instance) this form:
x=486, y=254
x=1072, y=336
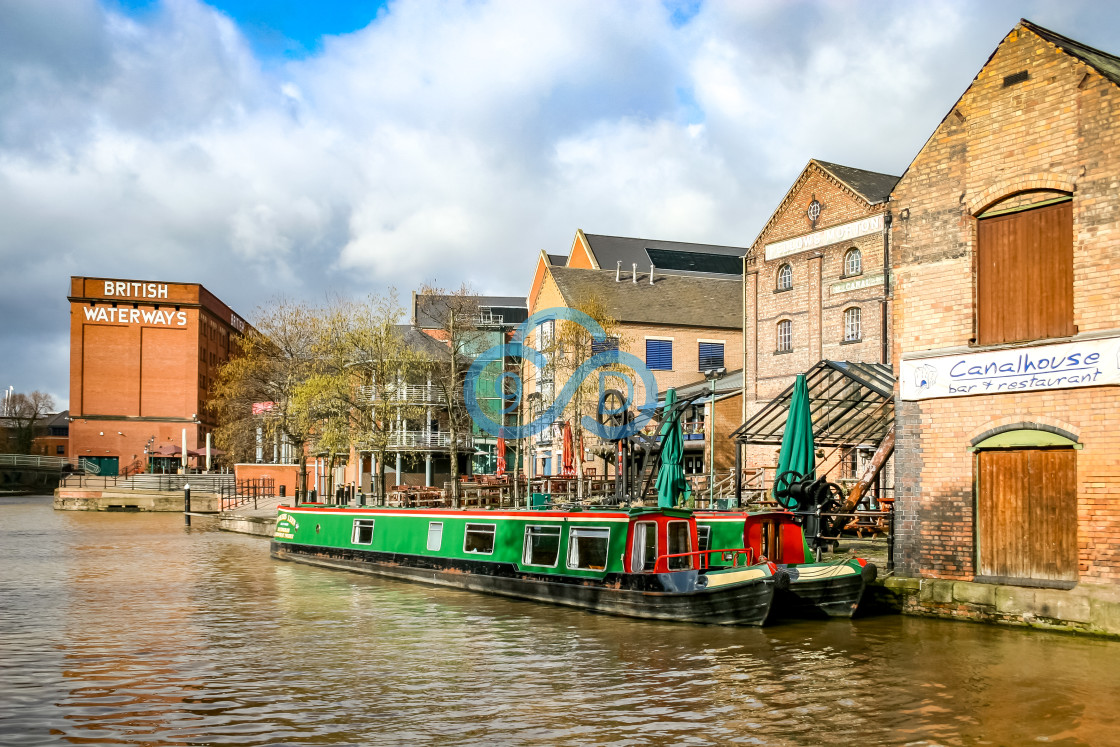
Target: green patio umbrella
x=671, y=485
x=797, y=453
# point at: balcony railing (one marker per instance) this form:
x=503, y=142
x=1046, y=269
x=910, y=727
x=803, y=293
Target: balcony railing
x=422, y=441
x=421, y=394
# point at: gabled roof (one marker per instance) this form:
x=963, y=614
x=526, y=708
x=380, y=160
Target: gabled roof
x=677, y=300
x=557, y=259
x=1104, y=63
x=851, y=404
x=680, y=257
x=870, y=185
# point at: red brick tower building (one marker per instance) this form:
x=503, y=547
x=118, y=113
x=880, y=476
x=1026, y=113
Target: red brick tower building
x=143, y=355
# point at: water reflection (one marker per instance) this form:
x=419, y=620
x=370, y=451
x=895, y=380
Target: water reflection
x=128, y=628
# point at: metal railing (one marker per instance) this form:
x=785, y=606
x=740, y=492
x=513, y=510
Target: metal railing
x=420, y=440
x=243, y=492
x=411, y=393
x=35, y=461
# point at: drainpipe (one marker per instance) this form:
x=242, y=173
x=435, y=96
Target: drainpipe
x=884, y=354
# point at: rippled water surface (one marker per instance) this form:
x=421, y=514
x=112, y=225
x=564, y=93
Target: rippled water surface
x=129, y=628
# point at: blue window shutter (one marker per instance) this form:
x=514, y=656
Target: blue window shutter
x=711, y=355
x=659, y=355
x=610, y=343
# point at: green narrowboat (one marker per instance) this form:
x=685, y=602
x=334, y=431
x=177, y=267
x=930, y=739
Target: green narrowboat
x=815, y=589
x=638, y=563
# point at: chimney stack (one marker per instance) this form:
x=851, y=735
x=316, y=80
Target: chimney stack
x=635, y=277
x=651, y=274
x=618, y=271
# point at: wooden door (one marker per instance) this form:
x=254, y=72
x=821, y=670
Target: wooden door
x=1024, y=275
x=1027, y=514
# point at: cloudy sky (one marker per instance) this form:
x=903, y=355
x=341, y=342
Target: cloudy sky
x=266, y=147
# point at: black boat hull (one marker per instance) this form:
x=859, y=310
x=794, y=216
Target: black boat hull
x=822, y=597
x=646, y=596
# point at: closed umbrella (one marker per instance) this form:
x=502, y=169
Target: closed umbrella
x=798, y=452
x=501, y=449
x=671, y=485
x=569, y=466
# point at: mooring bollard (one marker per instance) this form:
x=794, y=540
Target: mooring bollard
x=187, y=504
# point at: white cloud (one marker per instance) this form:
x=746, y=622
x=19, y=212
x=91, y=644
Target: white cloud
x=445, y=141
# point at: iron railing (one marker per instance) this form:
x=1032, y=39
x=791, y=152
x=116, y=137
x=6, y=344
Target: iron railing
x=411, y=393
x=244, y=492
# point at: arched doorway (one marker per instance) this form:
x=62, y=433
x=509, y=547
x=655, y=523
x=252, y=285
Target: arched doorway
x=1026, y=508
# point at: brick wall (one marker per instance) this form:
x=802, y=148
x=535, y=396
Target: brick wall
x=1053, y=133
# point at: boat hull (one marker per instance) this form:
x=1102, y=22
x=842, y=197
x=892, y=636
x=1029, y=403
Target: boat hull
x=813, y=593
x=646, y=596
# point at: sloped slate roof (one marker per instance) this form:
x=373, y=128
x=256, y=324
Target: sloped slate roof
x=557, y=259
x=609, y=250
x=677, y=300
x=871, y=185
x=1106, y=64
x=426, y=320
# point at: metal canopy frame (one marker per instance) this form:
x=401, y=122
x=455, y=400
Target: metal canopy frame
x=852, y=404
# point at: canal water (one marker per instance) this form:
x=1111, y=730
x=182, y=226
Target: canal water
x=131, y=629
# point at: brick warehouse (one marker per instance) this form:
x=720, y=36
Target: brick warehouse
x=1005, y=244
x=143, y=355
x=814, y=287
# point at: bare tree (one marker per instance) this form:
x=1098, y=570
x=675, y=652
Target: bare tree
x=23, y=412
x=273, y=388
x=453, y=318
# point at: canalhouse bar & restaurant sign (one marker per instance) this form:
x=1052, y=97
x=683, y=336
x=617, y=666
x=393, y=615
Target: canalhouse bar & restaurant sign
x=1061, y=366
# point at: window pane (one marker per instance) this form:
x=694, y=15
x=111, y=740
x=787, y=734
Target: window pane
x=542, y=546
x=363, y=531
x=587, y=548
x=785, y=335
x=785, y=277
x=680, y=540
x=435, y=535
x=853, y=262
x=711, y=355
x=479, y=539
x=645, y=547
x=852, y=327
x=704, y=537
x=659, y=355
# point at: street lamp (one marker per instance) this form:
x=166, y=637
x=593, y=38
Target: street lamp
x=713, y=375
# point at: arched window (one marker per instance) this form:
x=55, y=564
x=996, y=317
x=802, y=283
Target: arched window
x=785, y=336
x=785, y=277
x=852, y=329
x=853, y=262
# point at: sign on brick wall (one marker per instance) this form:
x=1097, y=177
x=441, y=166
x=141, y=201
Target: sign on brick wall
x=817, y=239
x=1060, y=366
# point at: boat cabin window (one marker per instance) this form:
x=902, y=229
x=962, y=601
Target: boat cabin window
x=479, y=539
x=542, y=546
x=680, y=540
x=704, y=537
x=644, y=550
x=363, y=532
x=435, y=534
x=587, y=548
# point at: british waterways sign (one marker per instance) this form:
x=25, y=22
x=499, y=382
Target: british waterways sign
x=1061, y=366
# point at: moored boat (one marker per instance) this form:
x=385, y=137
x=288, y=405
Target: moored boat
x=832, y=588
x=642, y=563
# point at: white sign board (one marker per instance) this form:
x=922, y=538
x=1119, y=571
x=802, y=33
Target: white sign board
x=1060, y=366
x=867, y=281
x=817, y=239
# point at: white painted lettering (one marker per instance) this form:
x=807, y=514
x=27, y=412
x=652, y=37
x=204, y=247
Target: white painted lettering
x=122, y=289
x=162, y=292
x=182, y=318
x=91, y=313
x=109, y=285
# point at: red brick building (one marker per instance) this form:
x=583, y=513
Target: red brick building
x=1006, y=242
x=143, y=355
x=815, y=288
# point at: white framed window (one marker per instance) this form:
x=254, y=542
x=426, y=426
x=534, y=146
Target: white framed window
x=478, y=539
x=680, y=541
x=435, y=535
x=785, y=336
x=587, y=548
x=703, y=537
x=852, y=329
x=363, y=532
x=542, y=546
x=785, y=277
x=644, y=548
x=853, y=262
